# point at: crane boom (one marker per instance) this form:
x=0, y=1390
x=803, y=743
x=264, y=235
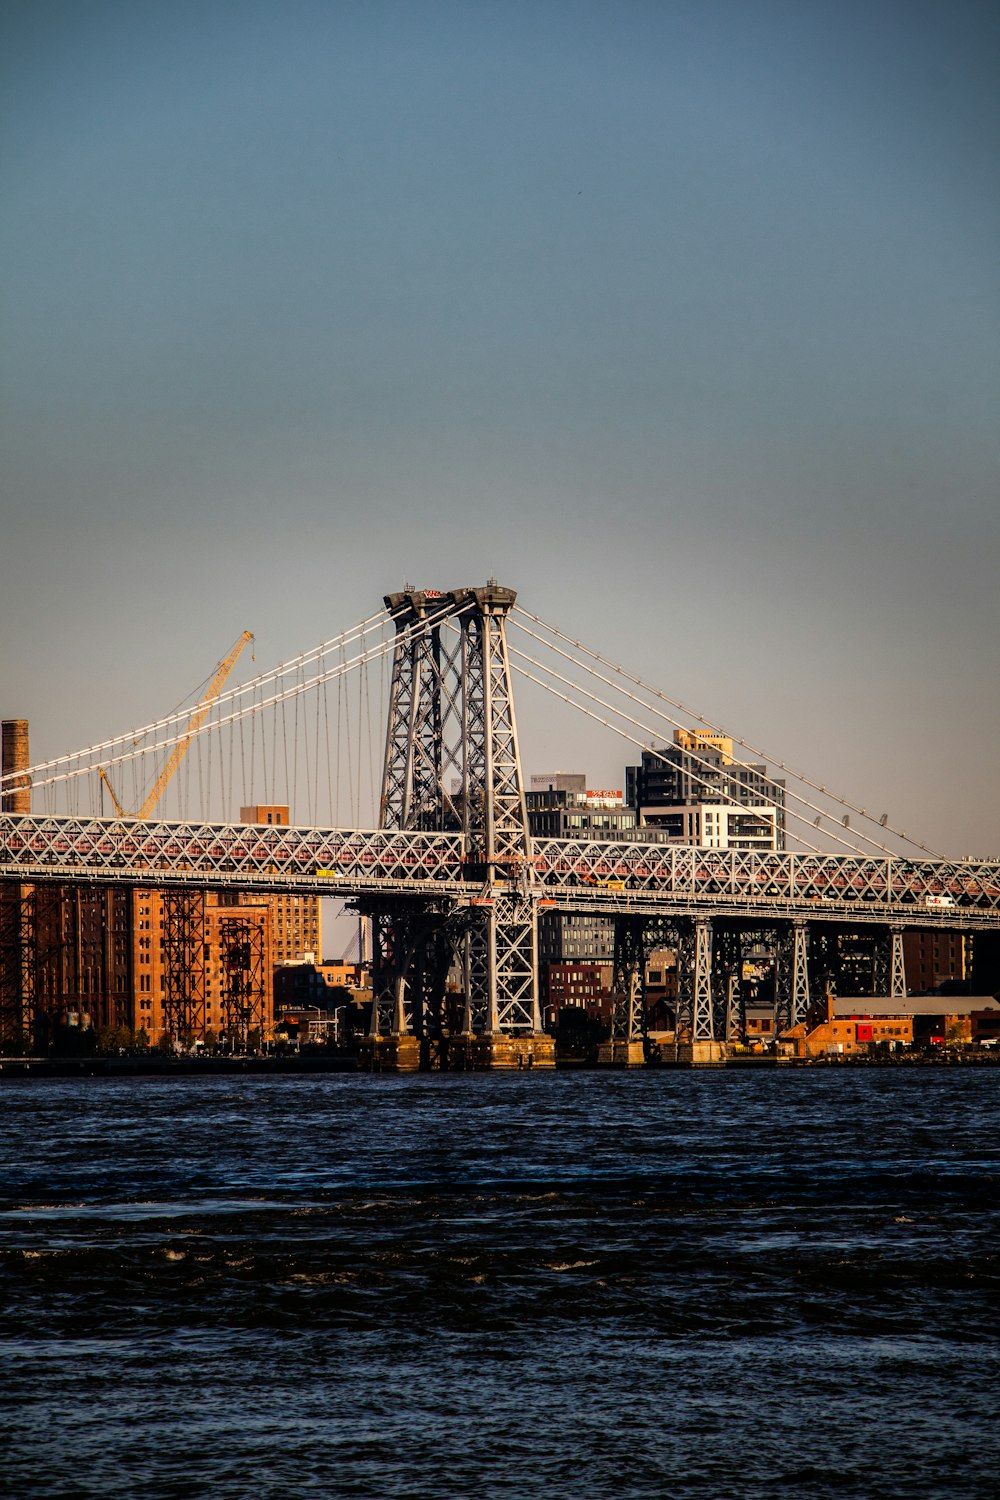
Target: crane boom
x=223, y=670
x=119, y=810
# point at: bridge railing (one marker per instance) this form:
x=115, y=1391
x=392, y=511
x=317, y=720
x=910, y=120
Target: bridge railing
x=259, y=855
x=221, y=852
x=748, y=876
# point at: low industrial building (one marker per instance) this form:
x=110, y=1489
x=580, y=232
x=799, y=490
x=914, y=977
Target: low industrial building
x=863, y=1023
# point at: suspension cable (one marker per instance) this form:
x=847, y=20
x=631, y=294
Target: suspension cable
x=691, y=754
x=298, y=687
x=717, y=729
x=617, y=729
x=184, y=714
x=582, y=708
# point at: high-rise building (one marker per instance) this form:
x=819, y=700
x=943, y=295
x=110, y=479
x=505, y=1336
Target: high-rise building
x=564, y=808
x=694, y=792
x=932, y=959
x=561, y=806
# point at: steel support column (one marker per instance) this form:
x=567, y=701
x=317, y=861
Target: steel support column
x=784, y=956
x=799, y=998
x=734, y=1020
x=243, y=978
x=703, y=1028
x=888, y=968
x=726, y=966
x=684, y=1019
x=183, y=963
x=897, y=967
x=628, y=983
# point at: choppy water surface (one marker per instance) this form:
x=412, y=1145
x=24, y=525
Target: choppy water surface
x=663, y=1284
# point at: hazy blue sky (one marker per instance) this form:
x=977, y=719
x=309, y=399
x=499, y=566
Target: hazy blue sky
x=680, y=318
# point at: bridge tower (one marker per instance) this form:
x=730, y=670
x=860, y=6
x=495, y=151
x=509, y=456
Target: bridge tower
x=452, y=764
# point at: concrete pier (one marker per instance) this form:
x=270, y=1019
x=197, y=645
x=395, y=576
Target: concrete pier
x=702, y=1054
x=620, y=1054
x=389, y=1054
x=502, y=1053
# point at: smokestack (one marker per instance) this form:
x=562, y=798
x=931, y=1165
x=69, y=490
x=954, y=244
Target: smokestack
x=13, y=759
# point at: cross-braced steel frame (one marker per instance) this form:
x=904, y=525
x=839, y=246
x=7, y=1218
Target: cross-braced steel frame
x=651, y=879
x=628, y=982
x=792, y=1002
x=726, y=970
x=242, y=946
x=888, y=970
x=184, y=977
x=452, y=765
x=695, y=1011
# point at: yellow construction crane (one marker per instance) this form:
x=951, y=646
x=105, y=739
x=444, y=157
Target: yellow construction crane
x=119, y=810
x=195, y=722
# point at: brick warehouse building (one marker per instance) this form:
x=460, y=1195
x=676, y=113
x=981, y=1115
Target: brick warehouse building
x=87, y=957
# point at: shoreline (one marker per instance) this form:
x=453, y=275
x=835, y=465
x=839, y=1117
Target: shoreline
x=170, y=1067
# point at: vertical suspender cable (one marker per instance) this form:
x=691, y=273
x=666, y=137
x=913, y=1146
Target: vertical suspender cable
x=284, y=746
x=206, y=803
x=339, y=738
x=368, y=735
x=360, y=676
x=263, y=755
x=347, y=742
x=243, y=763
x=273, y=794
x=317, y=818
x=301, y=733
x=254, y=736
x=229, y=812
x=331, y=815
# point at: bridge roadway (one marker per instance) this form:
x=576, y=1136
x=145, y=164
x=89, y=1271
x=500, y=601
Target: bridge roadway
x=570, y=874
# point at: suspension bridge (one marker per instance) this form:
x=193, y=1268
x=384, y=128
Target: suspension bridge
x=396, y=744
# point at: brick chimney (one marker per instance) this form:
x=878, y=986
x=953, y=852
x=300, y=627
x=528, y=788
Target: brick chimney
x=14, y=758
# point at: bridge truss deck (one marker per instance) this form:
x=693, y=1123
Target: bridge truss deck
x=617, y=878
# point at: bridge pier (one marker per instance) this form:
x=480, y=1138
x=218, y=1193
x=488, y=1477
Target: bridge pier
x=888, y=970
x=626, y=1047
x=499, y=1052
x=800, y=974
x=696, y=1045
x=389, y=1054
x=897, y=974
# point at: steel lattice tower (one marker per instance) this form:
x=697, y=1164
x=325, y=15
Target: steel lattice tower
x=184, y=963
x=244, y=1007
x=452, y=764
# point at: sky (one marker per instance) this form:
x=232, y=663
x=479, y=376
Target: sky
x=679, y=318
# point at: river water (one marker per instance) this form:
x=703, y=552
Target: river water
x=711, y=1284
